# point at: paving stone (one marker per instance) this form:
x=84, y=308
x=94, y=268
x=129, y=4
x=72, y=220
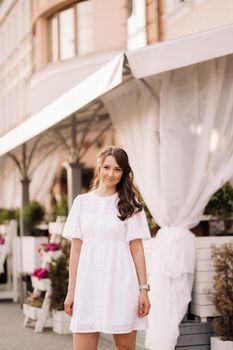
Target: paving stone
x=13, y=336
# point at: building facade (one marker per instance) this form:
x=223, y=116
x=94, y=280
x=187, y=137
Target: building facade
x=46, y=45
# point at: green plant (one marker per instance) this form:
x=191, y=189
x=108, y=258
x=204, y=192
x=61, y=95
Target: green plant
x=33, y=214
x=58, y=274
x=7, y=214
x=62, y=209
x=153, y=226
x=221, y=203
x=34, y=300
x=223, y=290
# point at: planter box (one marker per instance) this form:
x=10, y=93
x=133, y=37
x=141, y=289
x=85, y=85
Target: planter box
x=43, y=284
x=194, y=336
x=56, y=228
x=28, y=247
x=61, y=322
x=34, y=313
x=201, y=304
x=218, y=344
x=31, y=311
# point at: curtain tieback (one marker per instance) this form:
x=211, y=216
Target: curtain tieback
x=174, y=251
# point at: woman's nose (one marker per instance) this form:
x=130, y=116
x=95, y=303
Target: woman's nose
x=110, y=173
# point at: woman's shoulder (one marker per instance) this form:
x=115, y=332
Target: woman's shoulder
x=84, y=196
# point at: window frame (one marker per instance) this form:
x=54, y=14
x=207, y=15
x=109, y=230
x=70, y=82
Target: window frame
x=56, y=15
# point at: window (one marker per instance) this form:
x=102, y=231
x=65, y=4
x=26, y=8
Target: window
x=71, y=31
x=136, y=24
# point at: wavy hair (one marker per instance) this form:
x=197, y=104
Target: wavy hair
x=129, y=202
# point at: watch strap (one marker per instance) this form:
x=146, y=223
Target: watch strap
x=144, y=286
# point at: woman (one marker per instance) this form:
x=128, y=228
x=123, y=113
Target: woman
x=108, y=290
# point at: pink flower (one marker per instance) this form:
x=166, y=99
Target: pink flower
x=51, y=247
x=40, y=273
x=2, y=240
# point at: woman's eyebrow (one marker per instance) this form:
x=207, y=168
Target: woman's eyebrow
x=116, y=167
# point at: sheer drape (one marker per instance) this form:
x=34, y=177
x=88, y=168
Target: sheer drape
x=177, y=128
x=42, y=178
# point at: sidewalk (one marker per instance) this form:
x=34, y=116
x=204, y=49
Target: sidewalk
x=13, y=336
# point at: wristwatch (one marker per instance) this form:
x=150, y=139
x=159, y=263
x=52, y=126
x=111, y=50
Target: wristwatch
x=144, y=286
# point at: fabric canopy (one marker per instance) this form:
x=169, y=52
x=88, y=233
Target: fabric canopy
x=177, y=128
x=105, y=77
x=181, y=52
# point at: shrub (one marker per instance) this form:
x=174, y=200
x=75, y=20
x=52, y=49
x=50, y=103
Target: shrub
x=223, y=290
x=58, y=274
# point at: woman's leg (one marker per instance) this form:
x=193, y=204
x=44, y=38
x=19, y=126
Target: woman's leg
x=125, y=341
x=85, y=341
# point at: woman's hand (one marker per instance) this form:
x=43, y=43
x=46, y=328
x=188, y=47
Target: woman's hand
x=144, y=303
x=68, y=304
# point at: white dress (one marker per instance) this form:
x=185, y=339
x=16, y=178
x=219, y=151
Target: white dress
x=107, y=288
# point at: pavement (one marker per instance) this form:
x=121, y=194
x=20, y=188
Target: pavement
x=14, y=336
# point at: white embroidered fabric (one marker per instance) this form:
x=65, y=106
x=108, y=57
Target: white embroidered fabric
x=107, y=291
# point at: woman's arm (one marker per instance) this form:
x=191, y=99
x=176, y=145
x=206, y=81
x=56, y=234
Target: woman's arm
x=137, y=252
x=73, y=266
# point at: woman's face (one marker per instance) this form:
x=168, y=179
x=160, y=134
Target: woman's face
x=110, y=172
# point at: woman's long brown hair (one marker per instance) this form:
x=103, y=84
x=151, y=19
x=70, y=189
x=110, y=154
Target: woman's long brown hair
x=129, y=202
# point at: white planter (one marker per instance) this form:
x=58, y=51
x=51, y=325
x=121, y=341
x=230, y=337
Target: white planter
x=42, y=284
x=27, y=247
x=61, y=322
x=31, y=311
x=34, y=313
x=218, y=344
x=56, y=227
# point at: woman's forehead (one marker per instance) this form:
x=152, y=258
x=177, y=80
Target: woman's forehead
x=110, y=160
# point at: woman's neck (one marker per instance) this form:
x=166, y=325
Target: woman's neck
x=103, y=191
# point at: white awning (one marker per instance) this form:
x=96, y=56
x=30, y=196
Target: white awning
x=99, y=78
x=181, y=52
x=92, y=84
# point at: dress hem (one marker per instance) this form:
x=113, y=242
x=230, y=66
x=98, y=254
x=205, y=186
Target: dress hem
x=109, y=332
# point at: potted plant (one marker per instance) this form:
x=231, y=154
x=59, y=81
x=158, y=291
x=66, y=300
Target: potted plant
x=62, y=208
x=220, y=210
x=7, y=215
x=33, y=214
x=40, y=279
x=58, y=274
x=32, y=306
x=223, y=297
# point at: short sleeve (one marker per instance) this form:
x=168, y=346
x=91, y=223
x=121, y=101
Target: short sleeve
x=137, y=227
x=72, y=226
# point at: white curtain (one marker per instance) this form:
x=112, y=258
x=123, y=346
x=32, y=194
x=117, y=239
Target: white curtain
x=41, y=175
x=177, y=128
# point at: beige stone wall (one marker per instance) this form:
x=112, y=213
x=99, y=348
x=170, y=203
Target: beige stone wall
x=45, y=8
x=194, y=16
x=110, y=24
x=109, y=31
x=15, y=61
